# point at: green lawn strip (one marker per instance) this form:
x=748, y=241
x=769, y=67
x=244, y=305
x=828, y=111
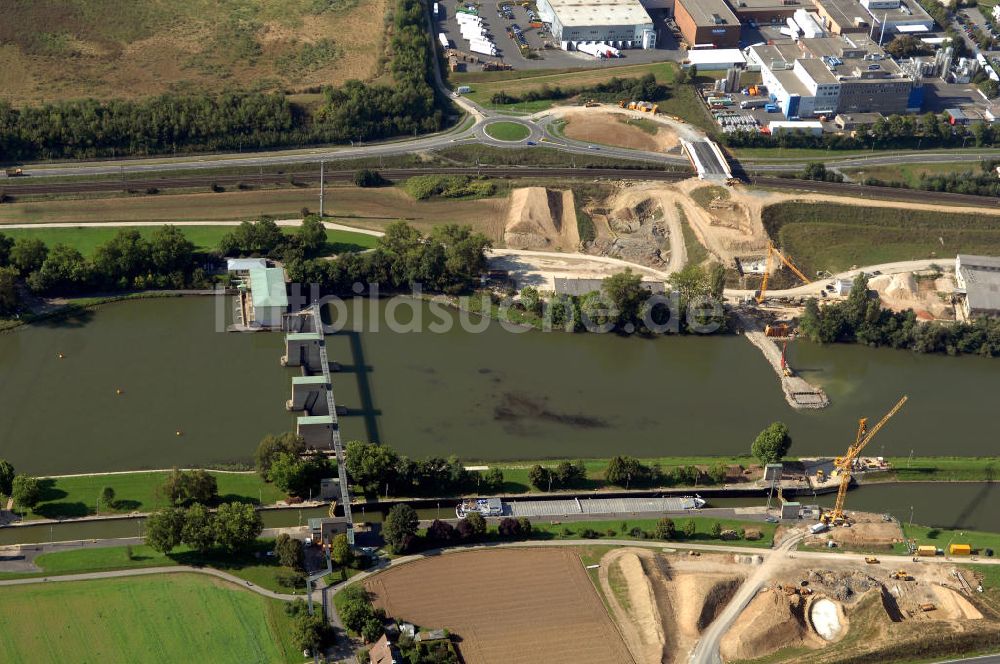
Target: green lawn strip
x=834, y=237
x=683, y=102
x=507, y=131
x=910, y=174
x=148, y=619
x=261, y=571
x=484, y=86
x=86, y=238
x=939, y=469
x=704, y=196
x=695, y=250
x=488, y=155
x=66, y=497
x=515, y=473
x=942, y=537
x=620, y=529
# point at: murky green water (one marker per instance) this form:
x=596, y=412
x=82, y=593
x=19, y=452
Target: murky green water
x=490, y=395
x=970, y=506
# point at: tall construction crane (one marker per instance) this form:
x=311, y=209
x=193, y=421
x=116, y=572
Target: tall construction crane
x=845, y=464
x=771, y=252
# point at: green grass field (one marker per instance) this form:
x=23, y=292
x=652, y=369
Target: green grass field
x=486, y=84
x=64, y=497
x=941, y=538
x=169, y=618
x=205, y=238
x=826, y=236
x=941, y=469
x=695, y=250
x=910, y=174
x=262, y=571
x=507, y=131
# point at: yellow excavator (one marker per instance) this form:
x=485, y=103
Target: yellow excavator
x=771, y=253
x=845, y=464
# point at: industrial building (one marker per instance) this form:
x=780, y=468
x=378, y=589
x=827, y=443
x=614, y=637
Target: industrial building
x=268, y=299
x=619, y=23
x=707, y=22
x=880, y=19
x=830, y=75
x=978, y=278
x=768, y=11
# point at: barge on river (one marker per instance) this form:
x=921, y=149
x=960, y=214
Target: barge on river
x=495, y=507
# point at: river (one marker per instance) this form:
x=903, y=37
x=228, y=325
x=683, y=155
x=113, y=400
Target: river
x=488, y=395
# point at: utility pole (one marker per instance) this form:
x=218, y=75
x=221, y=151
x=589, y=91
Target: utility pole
x=322, y=186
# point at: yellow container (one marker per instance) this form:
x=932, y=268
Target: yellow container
x=960, y=549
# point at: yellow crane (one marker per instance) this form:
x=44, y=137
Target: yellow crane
x=845, y=464
x=771, y=252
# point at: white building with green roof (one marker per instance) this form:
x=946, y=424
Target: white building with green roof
x=268, y=299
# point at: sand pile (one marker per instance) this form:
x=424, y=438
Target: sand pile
x=645, y=616
x=614, y=128
x=952, y=606
x=638, y=230
x=538, y=218
x=770, y=622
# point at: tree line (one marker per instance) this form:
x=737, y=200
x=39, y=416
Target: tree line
x=626, y=306
x=378, y=469
x=449, y=259
x=893, y=132
x=982, y=183
x=862, y=319
x=637, y=88
x=238, y=120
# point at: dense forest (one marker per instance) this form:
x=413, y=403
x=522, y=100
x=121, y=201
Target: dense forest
x=244, y=120
x=862, y=319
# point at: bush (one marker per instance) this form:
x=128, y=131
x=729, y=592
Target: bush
x=665, y=529
x=589, y=533
x=368, y=177
x=290, y=579
x=422, y=187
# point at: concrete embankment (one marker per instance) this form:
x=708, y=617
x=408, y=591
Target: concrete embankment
x=798, y=392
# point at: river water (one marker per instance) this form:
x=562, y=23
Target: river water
x=488, y=395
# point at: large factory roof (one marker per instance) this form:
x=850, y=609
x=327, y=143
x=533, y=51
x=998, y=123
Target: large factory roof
x=710, y=12
x=600, y=12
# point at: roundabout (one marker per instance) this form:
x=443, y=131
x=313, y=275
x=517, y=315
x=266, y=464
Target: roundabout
x=510, y=132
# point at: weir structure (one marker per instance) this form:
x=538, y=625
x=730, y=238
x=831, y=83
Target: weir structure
x=312, y=394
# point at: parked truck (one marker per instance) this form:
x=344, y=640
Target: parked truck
x=754, y=103
x=13, y=172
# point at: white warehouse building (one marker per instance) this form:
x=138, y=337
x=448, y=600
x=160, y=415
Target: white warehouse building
x=618, y=23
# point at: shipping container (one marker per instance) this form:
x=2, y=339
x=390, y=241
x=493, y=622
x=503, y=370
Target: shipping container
x=444, y=40
x=960, y=549
x=926, y=551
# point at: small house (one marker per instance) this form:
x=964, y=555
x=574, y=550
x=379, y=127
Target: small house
x=384, y=652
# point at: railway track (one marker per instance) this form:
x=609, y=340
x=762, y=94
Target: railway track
x=141, y=185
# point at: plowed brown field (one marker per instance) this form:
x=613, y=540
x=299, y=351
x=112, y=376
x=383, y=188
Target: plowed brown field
x=506, y=606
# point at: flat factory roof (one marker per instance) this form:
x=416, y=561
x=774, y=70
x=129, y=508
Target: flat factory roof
x=844, y=12
x=709, y=12
x=268, y=287
x=574, y=13
x=715, y=56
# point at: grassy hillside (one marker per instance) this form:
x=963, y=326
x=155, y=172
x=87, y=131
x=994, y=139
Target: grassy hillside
x=67, y=49
x=827, y=236
x=149, y=619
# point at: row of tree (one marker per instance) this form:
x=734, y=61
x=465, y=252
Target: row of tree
x=637, y=88
x=979, y=183
x=625, y=305
x=861, y=319
x=245, y=120
x=450, y=259
x=232, y=528
x=127, y=261
x=894, y=132
x=376, y=468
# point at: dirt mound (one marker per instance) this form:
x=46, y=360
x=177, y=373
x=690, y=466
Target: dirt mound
x=878, y=534
x=770, y=622
x=642, y=606
x=953, y=606
x=538, y=218
x=614, y=128
x=636, y=229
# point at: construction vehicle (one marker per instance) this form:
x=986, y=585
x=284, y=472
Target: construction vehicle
x=14, y=172
x=771, y=252
x=845, y=464
x=785, y=371
x=871, y=560
x=927, y=607
x=591, y=103
x=901, y=575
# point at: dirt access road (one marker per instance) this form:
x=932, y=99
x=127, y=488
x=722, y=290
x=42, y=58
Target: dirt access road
x=707, y=649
